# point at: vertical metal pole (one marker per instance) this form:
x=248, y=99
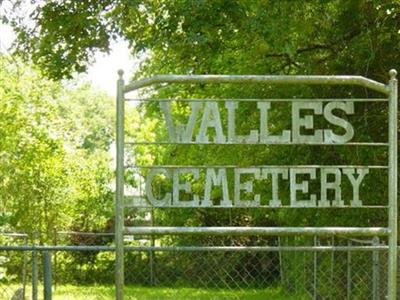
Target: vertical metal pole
x=375, y=270
x=34, y=275
x=152, y=253
x=315, y=271
x=281, y=263
x=55, y=260
x=119, y=192
x=47, y=275
x=333, y=269
x=392, y=270
x=304, y=271
x=349, y=272
x=24, y=267
x=294, y=278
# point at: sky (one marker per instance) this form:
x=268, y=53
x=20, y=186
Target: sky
x=103, y=73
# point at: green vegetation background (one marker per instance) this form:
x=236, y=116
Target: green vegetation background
x=56, y=168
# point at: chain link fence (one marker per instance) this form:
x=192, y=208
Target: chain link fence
x=217, y=268
x=14, y=267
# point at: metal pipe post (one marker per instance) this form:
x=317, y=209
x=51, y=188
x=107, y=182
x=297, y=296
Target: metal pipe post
x=151, y=252
x=34, y=275
x=375, y=270
x=47, y=275
x=332, y=268
x=119, y=192
x=349, y=283
x=315, y=271
x=281, y=263
x=392, y=271
x=24, y=268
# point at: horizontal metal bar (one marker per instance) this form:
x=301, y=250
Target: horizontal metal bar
x=198, y=248
x=257, y=248
x=378, y=144
x=129, y=199
x=57, y=248
x=258, y=100
x=86, y=233
x=266, y=79
x=256, y=166
x=370, y=242
x=266, y=231
x=13, y=234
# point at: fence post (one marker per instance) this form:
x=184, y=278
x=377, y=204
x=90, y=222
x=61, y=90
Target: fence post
x=348, y=271
x=392, y=187
x=119, y=191
x=315, y=293
x=34, y=269
x=47, y=275
x=151, y=252
x=281, y=263
x=24, y=267
x=54, y=264
x=304, y=288
x=375, y=269
x=332, y=268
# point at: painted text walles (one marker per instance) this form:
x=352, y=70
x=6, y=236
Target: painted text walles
x=210, y=117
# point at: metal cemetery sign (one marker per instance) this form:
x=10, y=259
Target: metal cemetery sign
x=210, y=120
x=218, y=177
x=213, y=121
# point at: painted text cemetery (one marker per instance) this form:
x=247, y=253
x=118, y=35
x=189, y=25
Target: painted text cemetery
x=214, y=122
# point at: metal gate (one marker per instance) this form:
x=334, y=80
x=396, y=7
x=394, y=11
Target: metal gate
x=216, y=174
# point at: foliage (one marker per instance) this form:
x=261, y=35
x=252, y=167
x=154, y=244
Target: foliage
x=56, y=176
x=54, y=163
x=239, y=37
x=235, y=37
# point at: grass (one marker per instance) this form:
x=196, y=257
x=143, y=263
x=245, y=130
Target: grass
x=106, y=292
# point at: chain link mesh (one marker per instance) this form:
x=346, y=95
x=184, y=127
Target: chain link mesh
x=291, y=273
x=14, y=268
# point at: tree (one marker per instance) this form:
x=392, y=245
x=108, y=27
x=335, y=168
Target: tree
x=229, y=37
x=54, y=160
x=316, y=37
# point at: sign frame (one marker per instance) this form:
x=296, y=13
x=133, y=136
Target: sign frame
x=389, y=90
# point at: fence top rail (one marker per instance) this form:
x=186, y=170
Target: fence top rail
x=269, y=79
x=266, y=231
x=86, y=233
x=332, y=248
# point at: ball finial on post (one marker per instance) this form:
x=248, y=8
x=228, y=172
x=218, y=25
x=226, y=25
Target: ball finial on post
x=120, y=73
x=392, y=74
